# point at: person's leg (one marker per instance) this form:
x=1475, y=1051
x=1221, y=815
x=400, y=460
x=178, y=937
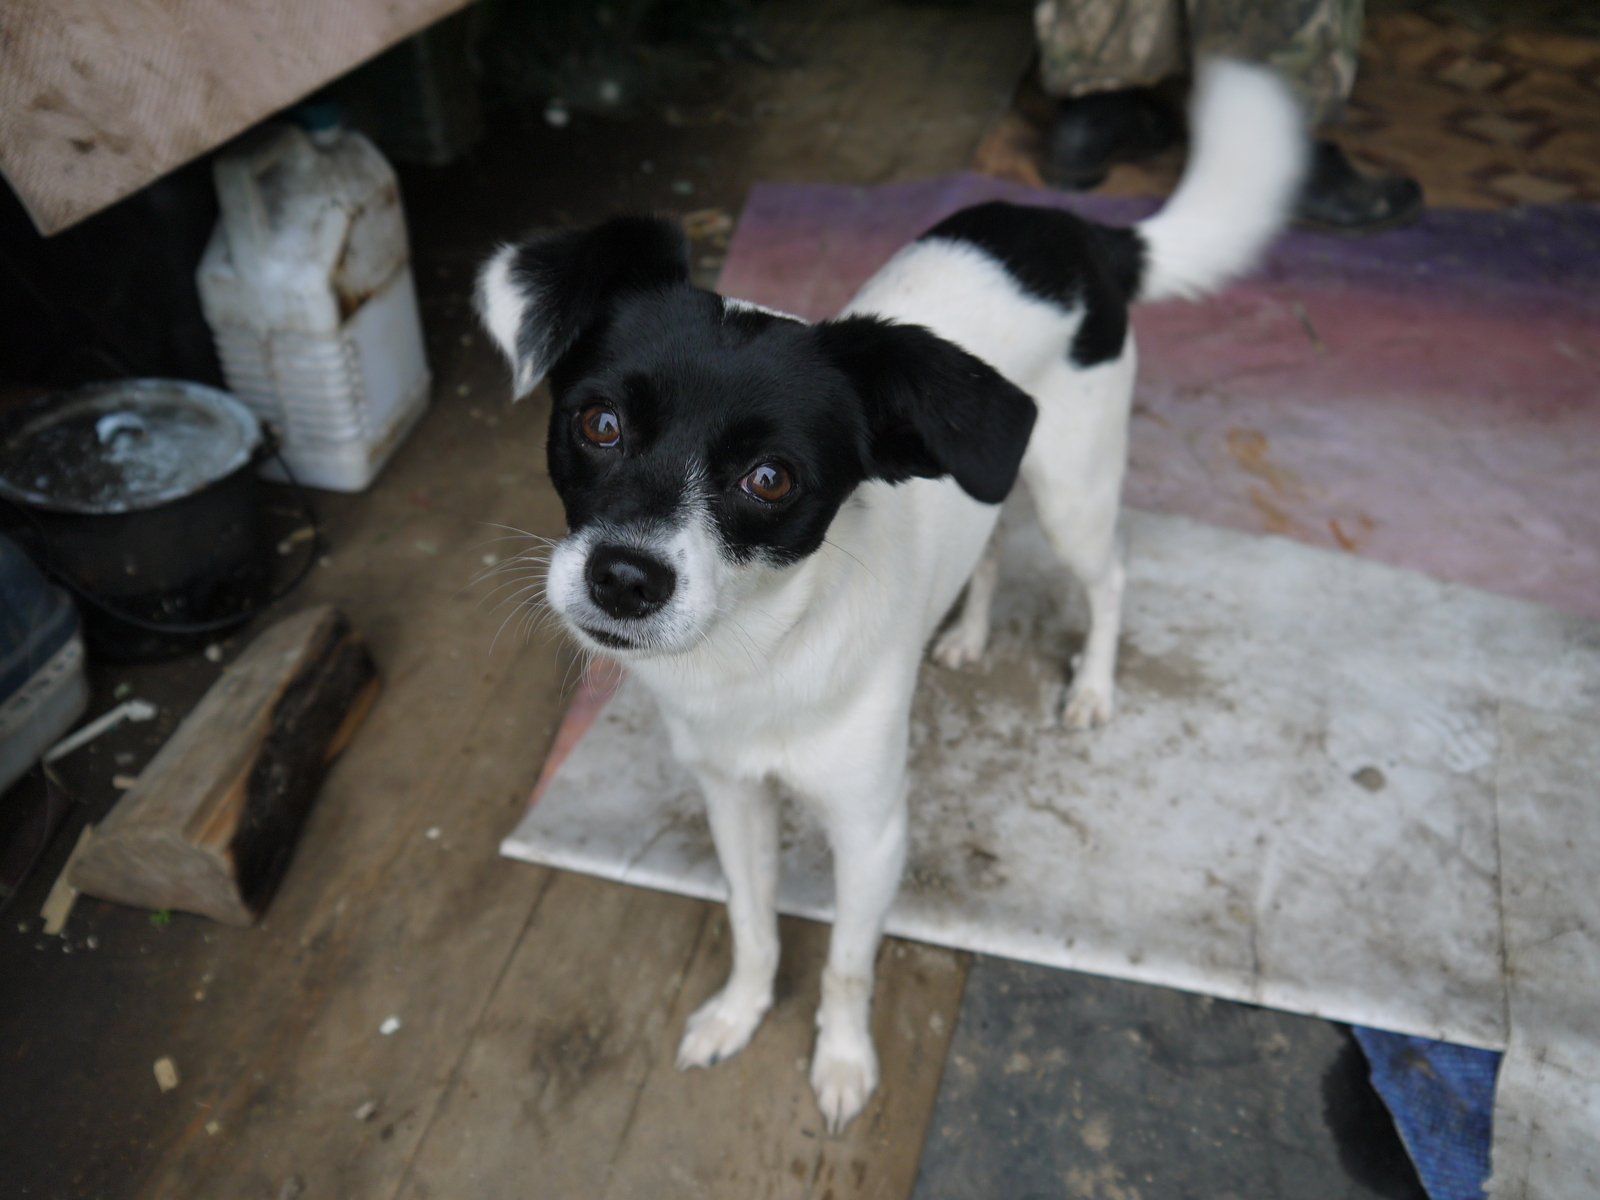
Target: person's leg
x=1101, y=57
x=1315, y=45
x=1090, y=46
x=1339, y=198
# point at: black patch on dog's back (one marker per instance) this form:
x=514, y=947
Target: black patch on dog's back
x=1059, y=257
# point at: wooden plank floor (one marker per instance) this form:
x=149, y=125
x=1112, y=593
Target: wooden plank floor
x=539, y=1011
x=569, y=1087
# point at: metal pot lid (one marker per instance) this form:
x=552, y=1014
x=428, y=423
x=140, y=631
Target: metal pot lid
x=123, y=446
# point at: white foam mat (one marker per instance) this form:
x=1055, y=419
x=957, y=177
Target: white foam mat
x=1547, y=1096
x=1296, y=804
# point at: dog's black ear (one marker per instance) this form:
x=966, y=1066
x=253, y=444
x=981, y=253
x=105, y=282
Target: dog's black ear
x=932, y=408
x=537, y=298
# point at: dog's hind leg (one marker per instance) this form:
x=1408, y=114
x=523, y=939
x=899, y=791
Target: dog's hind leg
x=1091, y=698
x=1084, y=535
x=1074, y=470
x=744, y=826
x=968, y=634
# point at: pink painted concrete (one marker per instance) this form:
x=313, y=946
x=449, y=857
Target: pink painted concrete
x=1428, y=398
x=600, y=680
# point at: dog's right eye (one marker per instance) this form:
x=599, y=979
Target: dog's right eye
x=768, y=483
x=600, y=426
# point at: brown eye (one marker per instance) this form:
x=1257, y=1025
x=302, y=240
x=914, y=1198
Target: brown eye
x=600, y=426
x=768, y=482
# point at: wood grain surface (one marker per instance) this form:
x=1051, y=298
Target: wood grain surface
x=99, y=97
x=211, y=823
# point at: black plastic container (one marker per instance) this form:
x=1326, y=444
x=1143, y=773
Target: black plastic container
x=142, y=498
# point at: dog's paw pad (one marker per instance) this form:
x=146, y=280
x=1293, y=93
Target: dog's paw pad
x=842, y=1084
x=719, y=1029
x=958, y=647
x=1087, y=708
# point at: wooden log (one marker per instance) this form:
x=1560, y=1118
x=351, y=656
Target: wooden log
x=212, y=821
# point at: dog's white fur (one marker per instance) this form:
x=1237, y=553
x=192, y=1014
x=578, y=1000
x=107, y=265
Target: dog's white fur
x=802, y=678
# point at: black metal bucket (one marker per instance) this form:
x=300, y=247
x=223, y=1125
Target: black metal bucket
x=142, y=498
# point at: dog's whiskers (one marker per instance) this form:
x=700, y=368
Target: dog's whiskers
x=520, y=562
x=520, y=582
x=513, y=532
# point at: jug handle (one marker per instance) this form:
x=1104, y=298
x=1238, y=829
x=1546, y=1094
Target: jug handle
x=237, y=178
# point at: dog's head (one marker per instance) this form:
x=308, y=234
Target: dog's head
x=700, y=444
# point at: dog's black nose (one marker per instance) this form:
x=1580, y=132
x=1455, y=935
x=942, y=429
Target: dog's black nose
x=626, y=583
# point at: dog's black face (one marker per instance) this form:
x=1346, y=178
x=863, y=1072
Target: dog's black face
x=677, y=402
x=697, y=442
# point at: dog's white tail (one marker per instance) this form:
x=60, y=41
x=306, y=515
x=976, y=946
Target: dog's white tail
x=1247, y=155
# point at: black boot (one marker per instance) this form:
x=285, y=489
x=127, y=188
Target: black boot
x=1337, y=198
x=1102, y=128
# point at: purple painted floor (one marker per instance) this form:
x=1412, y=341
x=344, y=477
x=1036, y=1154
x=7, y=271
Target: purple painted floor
x=1429, y=398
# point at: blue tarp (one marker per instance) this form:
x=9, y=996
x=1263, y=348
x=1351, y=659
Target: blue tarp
x=1441, y=1096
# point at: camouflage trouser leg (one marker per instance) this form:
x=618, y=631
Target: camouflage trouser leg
x=1092, y=45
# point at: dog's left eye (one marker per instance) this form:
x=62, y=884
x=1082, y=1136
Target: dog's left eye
x=600, y=426
x=769, y=483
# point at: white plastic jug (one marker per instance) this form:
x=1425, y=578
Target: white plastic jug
x=307, y=286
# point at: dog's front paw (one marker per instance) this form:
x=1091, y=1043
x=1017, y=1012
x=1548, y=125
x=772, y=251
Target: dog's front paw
x=720, y=1028
x=1088, y=707
x=844, y=1068
x=843, y=1078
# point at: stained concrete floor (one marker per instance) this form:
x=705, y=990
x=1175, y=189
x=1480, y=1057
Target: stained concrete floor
x=539, y=1010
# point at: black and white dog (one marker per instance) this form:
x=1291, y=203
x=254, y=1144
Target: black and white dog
x=768, y=519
